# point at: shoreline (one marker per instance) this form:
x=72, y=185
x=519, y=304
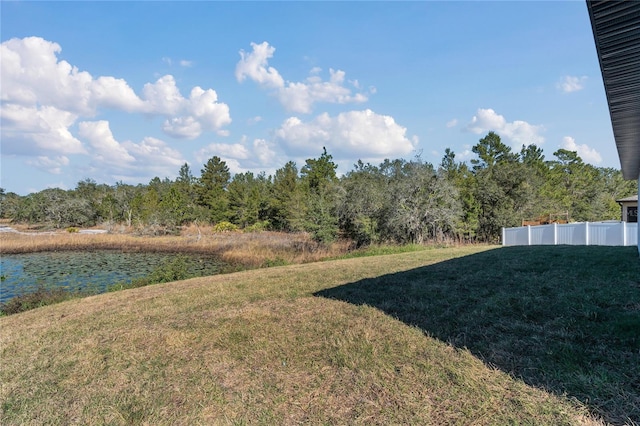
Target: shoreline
x=248, y=249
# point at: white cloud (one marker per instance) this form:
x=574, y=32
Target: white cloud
x=204, y=106
x=452, y=123
x=115, y=93
x=236, y=151
x=588, y=154
x=183, y=62
x=517, y=132
x=295, y=96
x=127, y=161
x=570, y=83
x=26, y=130
x=106, y=150
x=34, y=78
x=182, y=127
x=155, y=156
x=362, y=134
x=52, y=165
x=163, y=96
x=264, y=152
x=241, y=156
x=255, y=66
x=32, y=75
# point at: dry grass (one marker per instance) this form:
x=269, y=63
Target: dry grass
x=247, y=249
x=255, y=347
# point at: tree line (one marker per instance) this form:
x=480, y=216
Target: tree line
x=399, y=201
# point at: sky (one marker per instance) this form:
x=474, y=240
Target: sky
x=126, y=91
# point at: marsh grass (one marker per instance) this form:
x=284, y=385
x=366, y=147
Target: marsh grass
x=42, y=296
x=237, y=250
x=257, y=347
x=250, y=249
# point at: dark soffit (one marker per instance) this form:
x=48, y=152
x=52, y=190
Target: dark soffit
x=616, y=30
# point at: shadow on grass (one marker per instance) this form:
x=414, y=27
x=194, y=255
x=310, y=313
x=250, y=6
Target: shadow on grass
x=566, y=319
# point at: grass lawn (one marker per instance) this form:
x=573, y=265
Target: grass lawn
x=470, y=335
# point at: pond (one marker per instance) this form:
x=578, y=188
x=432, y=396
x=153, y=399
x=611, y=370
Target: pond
x=91, y=271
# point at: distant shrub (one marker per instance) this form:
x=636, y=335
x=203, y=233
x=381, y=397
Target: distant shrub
x=72, y=230
x=174, y=270
x=278, y=261
x=258, y=226
x=225, y=227
x=41, y=297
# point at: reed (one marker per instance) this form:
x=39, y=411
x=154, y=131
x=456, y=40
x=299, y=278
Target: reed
x=252, y=249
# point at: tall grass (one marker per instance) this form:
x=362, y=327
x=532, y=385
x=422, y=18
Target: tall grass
x=252, y=249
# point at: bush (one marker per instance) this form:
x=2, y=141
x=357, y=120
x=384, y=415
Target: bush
x=270, y=263
x=225, y=227
x=72, y=230
x=41, y=297
x=258, y=226
x=175, y=270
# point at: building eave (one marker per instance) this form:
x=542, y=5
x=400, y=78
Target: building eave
x=616, y=31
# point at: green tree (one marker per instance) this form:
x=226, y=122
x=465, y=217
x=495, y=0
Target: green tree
x=463, y=179
x=501, y=190
x=211, y=189
x=245, y=199
x=421, y=204
x=361, y=203
x=320, y=182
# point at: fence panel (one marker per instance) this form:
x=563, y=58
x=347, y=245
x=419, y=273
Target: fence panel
x=517, y=236
x=573, y=234
x=584, y=233
x=632, y=234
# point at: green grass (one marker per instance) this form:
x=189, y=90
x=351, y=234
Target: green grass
x=565, y=319
x=384, y=249
x=538, y=336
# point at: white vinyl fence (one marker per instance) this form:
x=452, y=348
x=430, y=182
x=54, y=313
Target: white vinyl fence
x=575, y=234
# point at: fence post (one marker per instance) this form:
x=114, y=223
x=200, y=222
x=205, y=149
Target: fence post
x=555, y=234
x=586, y=233
x=528, y=235
x=504, y=233
x=624, y=233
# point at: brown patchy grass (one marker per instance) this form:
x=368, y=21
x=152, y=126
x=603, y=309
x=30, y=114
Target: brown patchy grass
x=247, y=249
x=254, y=347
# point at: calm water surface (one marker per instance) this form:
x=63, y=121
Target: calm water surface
x=91, y=271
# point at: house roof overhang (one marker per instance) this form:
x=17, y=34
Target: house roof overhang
x=633, y=198
x=616, y=30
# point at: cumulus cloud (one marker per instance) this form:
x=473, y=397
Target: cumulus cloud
x=127, y=160
x=106, y=150
x=588, y=154
x=32, y=74
x=52, y=165
x=570, y=83
x=296, y=96
x=241, y=156
x=254, y=65
x=254, y=120
x=517, y=132
x=362, y=134
x=55, y=94
x=154, y=157
x=43, y=129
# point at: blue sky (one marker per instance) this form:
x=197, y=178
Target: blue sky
x=125, y=91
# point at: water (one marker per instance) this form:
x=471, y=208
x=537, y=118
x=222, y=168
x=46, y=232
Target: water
x=87, y=271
